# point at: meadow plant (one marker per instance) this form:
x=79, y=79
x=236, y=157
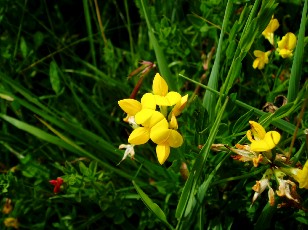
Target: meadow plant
x=211, y=132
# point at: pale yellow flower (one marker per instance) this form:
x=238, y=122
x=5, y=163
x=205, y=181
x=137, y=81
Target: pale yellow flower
x=268, y=33
x=129, y=151
x=286, y=45
x=286, y=188
x=245, y=154
x=11, y=222
x=261, y=185
x=261, y=59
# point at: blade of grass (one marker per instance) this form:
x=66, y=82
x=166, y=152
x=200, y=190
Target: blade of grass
x=188, y=194
x=253, y=27
x=151, y=205
x=210, y=99
x=38, y=133
x=105, y=150
x=265, y=217
x=60, y=141
x=90, y=115
x=161, y=60
x=282, y=124
x=129, y=30
x=298, y=59
x=89, y=28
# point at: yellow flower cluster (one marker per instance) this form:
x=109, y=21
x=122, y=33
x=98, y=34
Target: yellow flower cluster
x=148, y=123
x=260, y=152
x=262, y=142
x=285, y=46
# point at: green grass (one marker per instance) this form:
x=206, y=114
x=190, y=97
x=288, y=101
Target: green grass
x=66, y=64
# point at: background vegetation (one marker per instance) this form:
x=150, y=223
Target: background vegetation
x=65, y=64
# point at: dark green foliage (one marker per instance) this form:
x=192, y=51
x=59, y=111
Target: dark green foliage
x=63, y=68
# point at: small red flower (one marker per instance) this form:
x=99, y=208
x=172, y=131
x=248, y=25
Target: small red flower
x=57, y=183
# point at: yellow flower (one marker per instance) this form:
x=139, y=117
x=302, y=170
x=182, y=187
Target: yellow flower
x=268, y=33
x=160, y=91
x=165, y=138
x=301, y=176
x=261, y=59
x=132, y=107
x=286, y=45
x=261, y=140
x=11, y=222
x=147, y=118
x=7, y=207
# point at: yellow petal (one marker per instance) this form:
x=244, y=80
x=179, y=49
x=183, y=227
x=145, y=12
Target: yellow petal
x=160, y=133
x=270, y=140
x=130, y=106
x=268, y=33
x=169, y=100
x=302, y=176
x=257, y=131
x=284, y=53
x=160, y=86
x=157, y=117
x=161, y=100
x=287, y=42
x=291, y=41
x=173, y=97
x=160, y=136
x=261, y=60
x=178, y=108
x=148, y=101
x=144, y=116
x=258, y=53
x=173, y=124
x=162, y=152
x=273, y=25
x=139, y=136
x=255, y=63
x=175, y=139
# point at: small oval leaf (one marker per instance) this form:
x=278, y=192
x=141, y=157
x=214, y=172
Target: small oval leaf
x=54, y=77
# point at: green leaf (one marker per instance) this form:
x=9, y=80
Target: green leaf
x=284, y=111
x=265, y=217
x=93, y=167
x=242, y=122
x=38, y=39
x=23, y=47
x=151, y=205
x=83, y=169
x=54, y=77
